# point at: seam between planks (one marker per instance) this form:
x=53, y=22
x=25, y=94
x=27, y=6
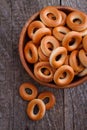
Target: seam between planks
x=72, y=109
x=12, y=63
x=60, y=2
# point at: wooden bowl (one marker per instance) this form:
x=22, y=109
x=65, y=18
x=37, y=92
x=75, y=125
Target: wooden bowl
x=29, y=67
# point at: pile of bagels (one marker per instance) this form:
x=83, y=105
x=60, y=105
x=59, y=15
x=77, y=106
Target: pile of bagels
x=29, y=92
x=57, y=46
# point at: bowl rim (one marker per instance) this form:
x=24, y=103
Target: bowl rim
x=23, y=61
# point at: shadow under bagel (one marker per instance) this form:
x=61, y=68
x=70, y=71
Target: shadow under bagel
x=29, y=67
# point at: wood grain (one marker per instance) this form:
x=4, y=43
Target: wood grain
x=6, y=74
x=78, y=4
x=26, y=9
x=70, y=110
x=75, y=100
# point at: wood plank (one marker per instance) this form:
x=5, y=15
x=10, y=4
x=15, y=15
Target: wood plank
x=6, y=75
x=21, y=11
x=43, y=3
x=75, y=100
x=78, y=4
x=70, y=111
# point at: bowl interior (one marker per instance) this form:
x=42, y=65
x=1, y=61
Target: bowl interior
x=29, y=67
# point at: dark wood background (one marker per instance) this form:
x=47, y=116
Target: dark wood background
x=70, y=111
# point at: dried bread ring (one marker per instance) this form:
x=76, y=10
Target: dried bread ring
x=33, y=27
x=67, y=60
x=83, y=33
x=39, y=71
x=50, y=22
x=84, y=42
x=83, y=57
x=60, y=31
x=64, y=16
x=30, y=52
x=72, y=40
x=51, y=98
x=74, y=61
x=30, y=109
x=57, y=57
x=45, y=45
x=83, y=73
x=61, y=80
x=26, y=96
x=41, y=55
x=51, y=16
x=77, y=15
x=39, y=34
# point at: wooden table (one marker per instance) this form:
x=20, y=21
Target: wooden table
x=70, y=110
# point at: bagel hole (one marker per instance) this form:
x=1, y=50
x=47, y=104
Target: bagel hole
x=36, y=109
x=46, y=100
x=78, y=61
x=34, y=30
x=51, y=16
x=63, y=75
x=50, y=46
x=71, y=42
x=77, y=21
x=28, y=91
x=62, y=32
x=45, y=71
x=58, y=57
x=86, y=54
x=30, y=53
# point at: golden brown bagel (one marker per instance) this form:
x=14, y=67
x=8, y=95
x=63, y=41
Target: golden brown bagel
x=77, y=15
x=83, y=57
x=84, y=42
x=57, y=57
x=50, y=22
x=30, y=52
x=39, y=34
x=51, y=98
x=26, y=96
x=67, y=71
x=72, y=40
x=39, y=71
x=41, y=107
x=60, y=31
x=74, y=61
x=33, y=27
x=45, y=45
x=41, y=55
x=83, y=73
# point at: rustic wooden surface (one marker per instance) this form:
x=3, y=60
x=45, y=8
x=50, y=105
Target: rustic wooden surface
x=70, y=111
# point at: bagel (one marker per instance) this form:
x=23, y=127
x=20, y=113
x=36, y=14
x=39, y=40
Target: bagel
x=39, y=34
x=33, y=27
x=39, y=71
x=30, y=52
x=61, y=80
x=72, y=40
x=42, y=57
x=30, y=109
x=60, y=31
x=46, y=49
x=26, y=96
x=83, y=57
x=84, y=43
x=77, y=15
x=83, y=73
x=57, y=57
x=74, y=61
x=51, y=98
x=49, y=21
